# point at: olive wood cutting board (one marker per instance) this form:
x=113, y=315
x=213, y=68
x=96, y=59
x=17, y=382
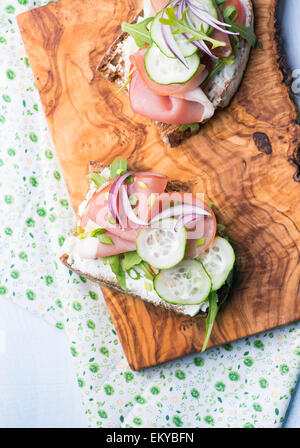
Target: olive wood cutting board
x=246, y=160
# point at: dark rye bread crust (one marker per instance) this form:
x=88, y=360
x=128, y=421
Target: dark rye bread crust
x=173, y=185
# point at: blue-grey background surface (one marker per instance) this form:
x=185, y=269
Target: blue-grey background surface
x=38, y=386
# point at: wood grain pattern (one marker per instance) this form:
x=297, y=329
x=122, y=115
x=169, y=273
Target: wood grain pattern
x=245, y=160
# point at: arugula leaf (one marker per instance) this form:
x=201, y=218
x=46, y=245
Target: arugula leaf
x=118, y=167
x=194, y=127
x=139, y=32
x=220, y=228
x=212, y=313
x=229, y=60
x=115, y=265
x=246, y=32
x=130, y=259
x=97, y=179
x=180, y=26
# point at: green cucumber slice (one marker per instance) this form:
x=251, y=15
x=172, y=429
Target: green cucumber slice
x=164, y=70
x=218, y=260
x=161, y=246
x=186, y=47
x=207, y=6
x=187, y=283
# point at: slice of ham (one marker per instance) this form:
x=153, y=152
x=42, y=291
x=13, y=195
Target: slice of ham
x=146, y=188
x=97, y=215
x=97, y=211
x=119, y=247
x=167, y=109
x=91, y=248
x=138, y=58
x=198, y=96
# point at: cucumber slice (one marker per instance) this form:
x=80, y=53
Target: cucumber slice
x=218, y=260
x=164, y=70
x=186, y=47
x=187, y=283
x=161, y=246
x=207, y=6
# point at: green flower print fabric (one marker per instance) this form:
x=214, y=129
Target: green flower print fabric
x=244, y=384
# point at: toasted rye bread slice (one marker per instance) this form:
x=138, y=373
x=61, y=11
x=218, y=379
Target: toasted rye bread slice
x=108, y=278
x=223, y=87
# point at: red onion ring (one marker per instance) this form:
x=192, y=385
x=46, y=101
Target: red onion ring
x=183, y=220
x=198, y=43
x=113, y=196
x=128, y=209
x=208, y=19
x=178, y=210
x=170, y=41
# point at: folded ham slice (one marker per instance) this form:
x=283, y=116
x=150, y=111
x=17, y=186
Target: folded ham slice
x=197, y=95
x=91, y=248
x=168, y=109
x=97, y=215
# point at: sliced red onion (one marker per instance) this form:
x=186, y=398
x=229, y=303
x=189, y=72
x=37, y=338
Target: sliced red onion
x=180, y=9
x=202, y=11
x=208, y=19
x=198, y=43
x=203, y=47
x=128, y=209
x=178, y=210
x=113, y=197
x=170, y=41
x=183, y=220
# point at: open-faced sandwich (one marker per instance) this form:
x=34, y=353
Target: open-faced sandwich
x=180, y=60
x=141, y=233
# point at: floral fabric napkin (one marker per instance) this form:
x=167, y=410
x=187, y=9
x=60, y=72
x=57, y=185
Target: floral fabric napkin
x=244, y=384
